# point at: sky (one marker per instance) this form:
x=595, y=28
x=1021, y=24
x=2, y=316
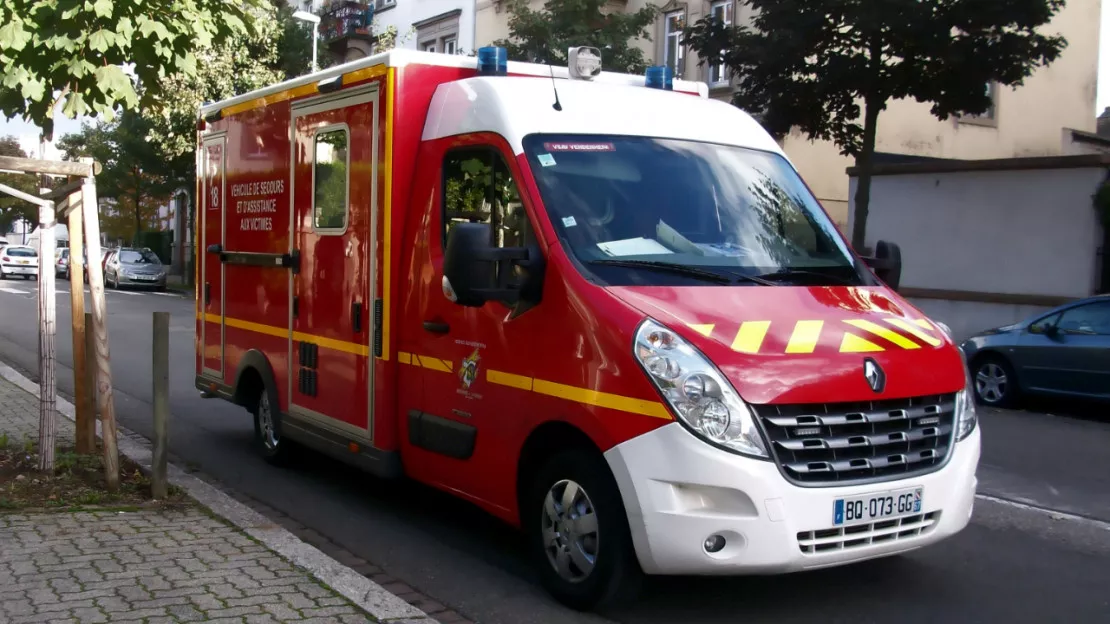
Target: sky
x=28, y=134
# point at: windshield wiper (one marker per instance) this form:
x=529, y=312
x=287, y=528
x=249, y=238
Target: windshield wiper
x=669, y=267
x=786, y=274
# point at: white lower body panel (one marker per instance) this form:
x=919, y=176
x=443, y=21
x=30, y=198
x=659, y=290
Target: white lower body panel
x=679, y=490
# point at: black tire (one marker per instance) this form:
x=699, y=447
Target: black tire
x=616, y=576
x=274, y=449
x=994, y=381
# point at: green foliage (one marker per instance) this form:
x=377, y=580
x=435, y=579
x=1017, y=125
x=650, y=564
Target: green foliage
x=11, y=208
x=136, y=176
x=828, y=67
x=75, y=51
x=544, y=36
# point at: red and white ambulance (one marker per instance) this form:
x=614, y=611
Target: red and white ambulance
x=603, y=307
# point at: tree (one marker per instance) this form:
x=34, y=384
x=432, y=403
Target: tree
x=11, y=208
x=75, y=52
x=544, y=36
x=829, y=67
x=136, y=179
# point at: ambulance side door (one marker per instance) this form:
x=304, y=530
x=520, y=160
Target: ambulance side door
x=465, y=435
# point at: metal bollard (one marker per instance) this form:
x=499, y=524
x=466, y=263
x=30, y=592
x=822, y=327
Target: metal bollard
x=161, y=373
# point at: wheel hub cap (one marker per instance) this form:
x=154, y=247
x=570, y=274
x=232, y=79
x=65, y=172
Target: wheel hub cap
x=570, y=531
x=991, y=382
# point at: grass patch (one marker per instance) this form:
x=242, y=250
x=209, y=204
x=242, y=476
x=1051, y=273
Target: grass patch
x=78, y=481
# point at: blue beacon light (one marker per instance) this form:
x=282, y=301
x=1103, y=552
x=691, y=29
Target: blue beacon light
x=492, y=61
x=659, y=77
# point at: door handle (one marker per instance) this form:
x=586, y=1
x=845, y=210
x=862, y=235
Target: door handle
x=207, y=293
x=356, y=316
x=215, y=248
x=437, y=327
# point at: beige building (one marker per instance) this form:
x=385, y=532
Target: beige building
x=1052, y=114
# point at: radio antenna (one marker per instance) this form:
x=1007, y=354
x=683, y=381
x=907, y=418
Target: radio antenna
x=557, y=106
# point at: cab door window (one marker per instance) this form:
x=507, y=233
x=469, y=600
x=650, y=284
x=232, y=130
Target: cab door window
x=478, y=187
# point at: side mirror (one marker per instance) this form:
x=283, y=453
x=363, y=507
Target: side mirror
x=474, y=271
x=1052, y=331
x=887, y=263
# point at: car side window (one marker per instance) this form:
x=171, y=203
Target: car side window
x=1092, y=319
x=1039, y=327
x=478, y=187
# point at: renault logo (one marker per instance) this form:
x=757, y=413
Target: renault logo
x=874, y=375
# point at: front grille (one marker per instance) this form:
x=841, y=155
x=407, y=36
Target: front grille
x=825, y=540
x=840, y=443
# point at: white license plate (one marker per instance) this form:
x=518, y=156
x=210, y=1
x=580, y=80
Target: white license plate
x=145, y=278
x=878, y=506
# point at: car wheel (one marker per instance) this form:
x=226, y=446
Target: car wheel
x=267, y=430
x=995, y=382
x=578, y=532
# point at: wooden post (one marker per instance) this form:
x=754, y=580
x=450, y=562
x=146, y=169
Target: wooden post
x=105, y=399
x=161, y=374
x=48, y=409
x=90, y=382
x=85, y=420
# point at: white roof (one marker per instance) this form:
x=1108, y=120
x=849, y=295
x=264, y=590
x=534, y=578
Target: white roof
x=515, y=107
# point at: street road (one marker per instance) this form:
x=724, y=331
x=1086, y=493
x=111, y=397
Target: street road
x=1015, y=563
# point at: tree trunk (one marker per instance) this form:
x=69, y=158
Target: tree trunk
x=863, y=181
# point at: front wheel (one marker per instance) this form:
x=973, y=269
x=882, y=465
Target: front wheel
x=578, y=532
x=267, y=431
x=995, y=382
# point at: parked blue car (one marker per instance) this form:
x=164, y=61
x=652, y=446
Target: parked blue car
x=1062, y=352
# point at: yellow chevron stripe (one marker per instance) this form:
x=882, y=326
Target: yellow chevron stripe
x=805, y=336
x=704, y=330
x=884, y=333
x=924, y=323
x=749, y=338
x=854, y=344
x=915, y=331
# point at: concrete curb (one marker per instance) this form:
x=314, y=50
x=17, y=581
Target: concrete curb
x=361, y=591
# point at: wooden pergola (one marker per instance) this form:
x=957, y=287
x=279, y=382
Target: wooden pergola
x=76, y=202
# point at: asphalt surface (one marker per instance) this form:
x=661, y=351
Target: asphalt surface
x=1016, y=562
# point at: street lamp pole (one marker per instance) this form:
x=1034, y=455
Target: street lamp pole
x=315, y=21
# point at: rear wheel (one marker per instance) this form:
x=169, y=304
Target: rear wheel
x=995, y=382
x=267, y=430
x=578, y=532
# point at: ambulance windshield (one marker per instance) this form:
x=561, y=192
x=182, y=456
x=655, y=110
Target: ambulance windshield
x=650, y=211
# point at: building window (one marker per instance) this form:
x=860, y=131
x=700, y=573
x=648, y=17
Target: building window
x=990, y=116
x=384, y=4
x=439, y=33
x=721, y=11
x=330, y=162
x=478, y=187
x=673, y=56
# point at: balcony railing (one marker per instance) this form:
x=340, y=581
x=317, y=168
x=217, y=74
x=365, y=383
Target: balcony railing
x=344, y=19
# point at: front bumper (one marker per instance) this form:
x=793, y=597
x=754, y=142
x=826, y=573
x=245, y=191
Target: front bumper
x=159, y=281
x=678, y=491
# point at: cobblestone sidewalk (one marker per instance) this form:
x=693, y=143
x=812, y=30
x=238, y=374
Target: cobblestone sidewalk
x=151, y=565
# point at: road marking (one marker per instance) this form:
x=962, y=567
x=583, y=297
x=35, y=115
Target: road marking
x=14, y=291
x=1054, y=513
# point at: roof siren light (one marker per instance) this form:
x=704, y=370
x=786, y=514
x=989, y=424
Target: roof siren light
x=492, y=61
x=659, y=77
x=584, y=62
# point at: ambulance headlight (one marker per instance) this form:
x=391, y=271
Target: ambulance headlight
x=696, y=391
x=966, y=416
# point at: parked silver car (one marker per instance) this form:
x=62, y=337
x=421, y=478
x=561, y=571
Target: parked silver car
x=136, y=268
x=1062, y=352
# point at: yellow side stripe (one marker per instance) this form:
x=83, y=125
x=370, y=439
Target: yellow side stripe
x=601, y=399
x=913, y=330
x=750, y=336
x=520, y=382
x=282, y=332
x=435, y=364
x=404, y=358
x=805, y=336
x=883, y=332
x=854, y=344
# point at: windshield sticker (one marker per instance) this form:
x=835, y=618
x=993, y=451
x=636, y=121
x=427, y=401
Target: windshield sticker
x=569, y=222
x=546, y=160
x=579, y=147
